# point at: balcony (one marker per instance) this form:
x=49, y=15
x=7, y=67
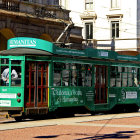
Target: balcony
x=108, y=44
x=35, y=9
x=10, y=5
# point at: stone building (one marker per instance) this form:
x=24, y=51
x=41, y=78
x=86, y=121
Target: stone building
x=103, y=20
x=43, y=19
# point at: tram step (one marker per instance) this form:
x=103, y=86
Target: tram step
x=4, y=115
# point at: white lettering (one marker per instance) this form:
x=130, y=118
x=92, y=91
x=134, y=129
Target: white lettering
x=22, y=43
x=131, y=95
x=5, y=102
x=71, y=92
x=103, y=54
x=8, y=95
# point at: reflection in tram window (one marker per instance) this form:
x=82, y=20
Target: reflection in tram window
x=5, y=61
x=4, y=76
x=72, y=74
x=16, y=76
x=124, y=76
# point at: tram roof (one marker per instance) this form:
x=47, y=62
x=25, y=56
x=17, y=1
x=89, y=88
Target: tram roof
x=34, y=46
x=24, y=51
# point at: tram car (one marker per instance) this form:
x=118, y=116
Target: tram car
x=46, y=79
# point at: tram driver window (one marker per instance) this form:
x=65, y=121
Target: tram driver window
x=5, y=75
x=4, y=69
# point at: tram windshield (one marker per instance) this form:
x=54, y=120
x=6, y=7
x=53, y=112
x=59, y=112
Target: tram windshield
x=10, y=72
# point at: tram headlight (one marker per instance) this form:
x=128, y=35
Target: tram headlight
x=18, y=94
x=18, y=100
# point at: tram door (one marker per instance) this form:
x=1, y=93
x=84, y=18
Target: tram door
x=101, y=76
x=36, y=84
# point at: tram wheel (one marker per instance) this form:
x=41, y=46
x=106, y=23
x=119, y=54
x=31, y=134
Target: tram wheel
x=18, y=119
x=92, y=113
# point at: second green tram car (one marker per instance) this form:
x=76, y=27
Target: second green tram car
x=51, y=80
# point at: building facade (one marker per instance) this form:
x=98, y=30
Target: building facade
x=107, y=22
x=43, y=19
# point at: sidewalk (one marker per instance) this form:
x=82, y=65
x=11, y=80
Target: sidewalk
x=76, y=121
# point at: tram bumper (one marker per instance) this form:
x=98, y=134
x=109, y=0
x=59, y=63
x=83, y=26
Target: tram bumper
x=12, y=111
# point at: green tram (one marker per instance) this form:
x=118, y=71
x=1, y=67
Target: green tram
x=55, y=80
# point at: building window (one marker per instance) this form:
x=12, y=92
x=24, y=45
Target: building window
x=115, y=4
x=88, y=4
x=115, y=29
x=89, y=30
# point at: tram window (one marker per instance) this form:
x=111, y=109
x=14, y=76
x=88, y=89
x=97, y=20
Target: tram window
x=4, y=80
x=65, y=77
x=33, y=66
x=4, y=61
x=16, y=62
x=130, y=83
x=39, y=78
x=39, y=67
x=89, y=75
x=45, y=69
x=79, y=75
x=57, y=74
x=119, y=69
x=135, y=80
x=44, y=94
x=118, y=80
x=115, y=76
x=73, y=75
x=83, y=74
x=79, y=79
x=32, y=78
x=124, y=77
x=39, y=94
x=15, y=76
x=57, y=79
x=130, y=70
x=135, y=71
x=32, y=95
x=112, y=76
x=44, y=79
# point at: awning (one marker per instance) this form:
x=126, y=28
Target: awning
x=24, y=51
